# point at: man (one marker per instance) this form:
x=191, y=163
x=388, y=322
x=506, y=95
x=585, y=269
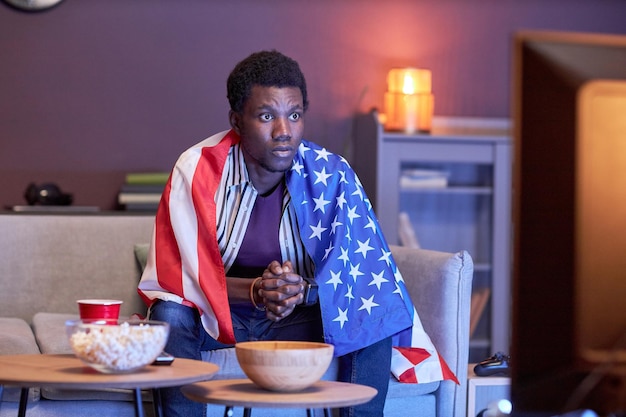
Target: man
x=248, y=217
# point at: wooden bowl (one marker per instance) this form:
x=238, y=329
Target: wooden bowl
x=284, y=366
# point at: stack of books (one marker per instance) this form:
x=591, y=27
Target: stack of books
x=142, y=191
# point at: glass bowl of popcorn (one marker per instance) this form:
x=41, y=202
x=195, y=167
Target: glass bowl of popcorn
x=124, y=346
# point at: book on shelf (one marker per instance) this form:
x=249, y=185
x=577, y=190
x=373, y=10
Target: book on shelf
x=142, y=188
x=423, y=178
x=143, y=198
x=406, y=232
x=145, y=178
x=477, y=306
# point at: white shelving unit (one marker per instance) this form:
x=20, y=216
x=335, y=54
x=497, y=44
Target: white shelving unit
x=464, y=201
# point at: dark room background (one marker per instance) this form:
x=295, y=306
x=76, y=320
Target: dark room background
x=93, y=89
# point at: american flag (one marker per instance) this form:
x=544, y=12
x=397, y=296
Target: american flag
x=362, y=293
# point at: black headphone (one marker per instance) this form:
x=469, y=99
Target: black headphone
x=48, y=194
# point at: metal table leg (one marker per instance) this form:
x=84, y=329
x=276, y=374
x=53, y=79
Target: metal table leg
x=23, y=402
x=156, y=402
x=138, y=403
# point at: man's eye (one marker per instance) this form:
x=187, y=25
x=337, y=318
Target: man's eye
x=266, y=117
x=295, y=116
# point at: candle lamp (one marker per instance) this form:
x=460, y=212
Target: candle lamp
x=409, y=102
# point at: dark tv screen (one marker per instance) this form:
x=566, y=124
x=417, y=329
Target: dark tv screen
x=568, y=348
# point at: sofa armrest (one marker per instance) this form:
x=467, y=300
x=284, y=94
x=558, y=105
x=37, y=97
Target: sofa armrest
x=17, y=338
x=440, y=285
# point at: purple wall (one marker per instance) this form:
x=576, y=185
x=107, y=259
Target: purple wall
x=93, y=89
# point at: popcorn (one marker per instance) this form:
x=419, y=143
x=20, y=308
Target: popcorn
x=118, y=348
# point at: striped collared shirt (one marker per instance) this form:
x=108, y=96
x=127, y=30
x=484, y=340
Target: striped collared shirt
x=235, y=199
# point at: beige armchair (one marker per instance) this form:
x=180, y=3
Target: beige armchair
x=440, y=285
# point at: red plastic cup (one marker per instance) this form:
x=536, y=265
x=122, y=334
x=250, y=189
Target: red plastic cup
x=99, y=309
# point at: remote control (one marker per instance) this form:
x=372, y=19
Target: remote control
x=493, y=365
x=164, y=359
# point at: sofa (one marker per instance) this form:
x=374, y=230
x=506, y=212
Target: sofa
x=48, y=261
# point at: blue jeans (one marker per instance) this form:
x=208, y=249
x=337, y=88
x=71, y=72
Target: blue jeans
x=368, y=366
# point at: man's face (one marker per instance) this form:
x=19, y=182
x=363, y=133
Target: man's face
x=271, y=126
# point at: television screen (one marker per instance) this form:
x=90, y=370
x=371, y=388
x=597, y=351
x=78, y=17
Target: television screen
x=568, y=349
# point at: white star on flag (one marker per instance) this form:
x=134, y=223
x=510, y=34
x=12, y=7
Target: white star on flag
x=335, y=279
x=378, y=279
x=368, y=304
x=364, y=247
x=322, y=176
x=342, y=318
x=334, y=225
x=317, y=230
x=341, y=200
x=320, y=203
x=344, y=256
x=322, y=154
x=354, y=271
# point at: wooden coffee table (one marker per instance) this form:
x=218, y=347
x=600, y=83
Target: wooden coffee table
x=244, y=393
x=68, y=372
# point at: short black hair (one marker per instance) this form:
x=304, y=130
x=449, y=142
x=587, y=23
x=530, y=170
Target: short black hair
x=266, y=69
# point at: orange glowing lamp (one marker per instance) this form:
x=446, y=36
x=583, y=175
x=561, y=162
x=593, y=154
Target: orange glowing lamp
x=409, y=102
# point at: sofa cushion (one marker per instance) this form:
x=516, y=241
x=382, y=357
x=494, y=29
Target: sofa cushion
x=141, y=254
x=50, y=332
x=16, y=338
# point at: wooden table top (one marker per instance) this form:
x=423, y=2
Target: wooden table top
x=244, y=393
x=67, y=371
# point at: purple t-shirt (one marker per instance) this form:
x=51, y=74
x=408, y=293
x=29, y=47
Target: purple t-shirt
x=260, y=244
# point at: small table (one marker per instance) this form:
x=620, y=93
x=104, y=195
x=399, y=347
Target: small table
x=482, y=390
x=69, y=372
x=244, y=393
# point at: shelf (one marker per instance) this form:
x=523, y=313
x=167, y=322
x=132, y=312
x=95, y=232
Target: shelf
x=482, y=267
x=479, y=343
x=461, y=129
x=447, y=190
x=453, y=187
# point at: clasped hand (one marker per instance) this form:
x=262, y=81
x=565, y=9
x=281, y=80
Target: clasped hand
x=281, y=290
